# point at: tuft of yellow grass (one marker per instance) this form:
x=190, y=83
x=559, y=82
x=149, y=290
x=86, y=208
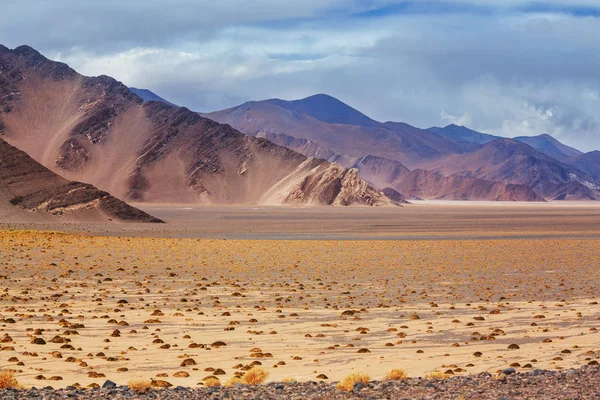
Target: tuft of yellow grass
x=348, y=383
x=255, y=376
x=288, y=380
x=8, y=380
x=139, y=384
x=233, y=380
x=396, y=374
x=435, y=375
x=211, y=382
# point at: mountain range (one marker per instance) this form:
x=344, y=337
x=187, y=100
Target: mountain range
x=64, y=128
x=451, y=162
x=98, y=131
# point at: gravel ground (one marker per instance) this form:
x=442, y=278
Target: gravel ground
x=583, y=383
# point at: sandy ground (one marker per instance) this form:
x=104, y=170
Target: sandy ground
x=422, y=220
x=125, y=306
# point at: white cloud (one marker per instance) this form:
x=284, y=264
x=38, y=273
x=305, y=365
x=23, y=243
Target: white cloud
x=461, y=120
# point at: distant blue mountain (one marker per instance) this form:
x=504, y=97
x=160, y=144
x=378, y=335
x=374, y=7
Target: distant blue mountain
x=544, y=143
x=147, y=95
x=462, y=134
x=551, y=147
x=588, y=162
x=326, y=109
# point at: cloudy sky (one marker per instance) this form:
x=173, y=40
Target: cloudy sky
x=508, y=67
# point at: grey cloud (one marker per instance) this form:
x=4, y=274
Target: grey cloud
x=114, y=25
x=508, y=74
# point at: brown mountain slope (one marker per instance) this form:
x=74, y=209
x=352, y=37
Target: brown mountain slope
x=506, y=160
x=338, y=129
x=96, y=130
x=324, y=127
x=385, y=173
x=29, y=186
x=431, y=185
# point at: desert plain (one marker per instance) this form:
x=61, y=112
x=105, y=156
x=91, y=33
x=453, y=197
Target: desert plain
x=306, y=293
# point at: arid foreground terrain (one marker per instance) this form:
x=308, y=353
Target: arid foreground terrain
x=78, y=309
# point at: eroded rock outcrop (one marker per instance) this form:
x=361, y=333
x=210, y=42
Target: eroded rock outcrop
x=332, y=184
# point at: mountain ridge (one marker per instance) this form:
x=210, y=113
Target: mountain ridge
x=95, y=129
x=507, y=160
x=400, y=142
x=148, y=95
x=413, y=148
x=326, y=109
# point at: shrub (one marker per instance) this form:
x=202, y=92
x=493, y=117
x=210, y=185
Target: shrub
x=139, y=384
x=255, y=376
x=396, y=375
x=435, y=375
x=8, y=380
x=234, y=380
x=211, y=382
x=348, y=383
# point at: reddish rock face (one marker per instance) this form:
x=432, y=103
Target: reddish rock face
x=96, y=130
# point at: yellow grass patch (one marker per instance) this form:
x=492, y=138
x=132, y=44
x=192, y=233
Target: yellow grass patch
x=255, y=376
x=233, y=380
x=348, y=383
x=435, y=375
x=396, y=374
x=8, y=380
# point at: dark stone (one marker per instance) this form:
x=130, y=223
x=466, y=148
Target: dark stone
x=279, y=386
x=508, y=371
x=358, y=386
x=537, y=372
x=109, y=385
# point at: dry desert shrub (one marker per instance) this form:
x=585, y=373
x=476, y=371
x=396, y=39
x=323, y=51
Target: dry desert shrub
x=233, y=380
x=139, y=384
x=396, y=374
x=435, y=375
x=8, y=380
x=255, y=376
x=348, y=383
x=212, y=382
